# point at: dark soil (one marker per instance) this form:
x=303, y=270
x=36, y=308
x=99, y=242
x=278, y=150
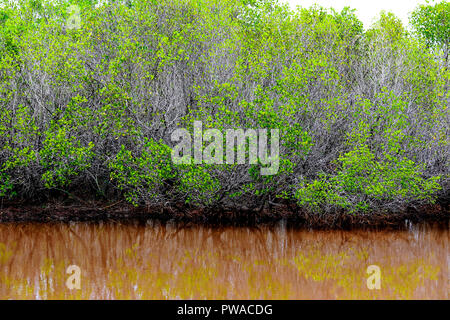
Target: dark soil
x=120, y=212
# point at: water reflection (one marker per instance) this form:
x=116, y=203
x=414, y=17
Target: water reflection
x=165, y=261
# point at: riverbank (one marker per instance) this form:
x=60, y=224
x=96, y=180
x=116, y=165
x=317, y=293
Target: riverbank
x=162, y=113
x=122, y=212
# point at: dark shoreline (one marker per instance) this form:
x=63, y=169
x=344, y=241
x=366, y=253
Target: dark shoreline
x=101, y=212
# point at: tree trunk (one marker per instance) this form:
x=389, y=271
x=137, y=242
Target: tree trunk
x=446, y=57
x=446, y=53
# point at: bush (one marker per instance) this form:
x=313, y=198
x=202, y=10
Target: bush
x=362, y=115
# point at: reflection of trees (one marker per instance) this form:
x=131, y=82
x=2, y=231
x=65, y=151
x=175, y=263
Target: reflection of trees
x=258, y=262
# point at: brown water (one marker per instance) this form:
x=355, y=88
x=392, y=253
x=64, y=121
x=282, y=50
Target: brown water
x=156, y=261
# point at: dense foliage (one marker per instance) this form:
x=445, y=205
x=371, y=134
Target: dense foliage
x=432, y=22
x=363, y=114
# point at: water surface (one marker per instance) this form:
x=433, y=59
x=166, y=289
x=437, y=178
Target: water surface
x=166, y=261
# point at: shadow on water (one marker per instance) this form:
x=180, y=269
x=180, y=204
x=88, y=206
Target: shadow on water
x=156, y=260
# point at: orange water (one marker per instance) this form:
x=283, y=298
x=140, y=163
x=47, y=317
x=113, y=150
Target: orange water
x=166, y=261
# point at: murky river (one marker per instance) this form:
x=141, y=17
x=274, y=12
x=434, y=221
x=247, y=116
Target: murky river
x=166, y=261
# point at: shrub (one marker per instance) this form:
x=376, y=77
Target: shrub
x=362, y=115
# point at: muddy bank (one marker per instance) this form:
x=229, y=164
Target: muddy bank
x=95, y=212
